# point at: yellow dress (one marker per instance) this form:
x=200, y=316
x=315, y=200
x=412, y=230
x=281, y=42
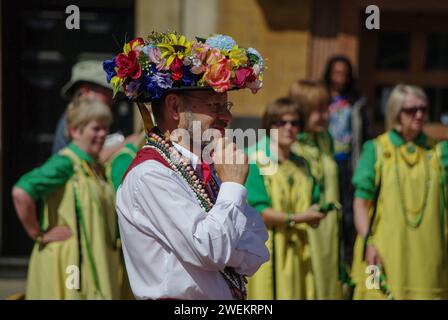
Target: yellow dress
x=54, y=268
x=288, y=274
x=409, y=228
x=324, y=240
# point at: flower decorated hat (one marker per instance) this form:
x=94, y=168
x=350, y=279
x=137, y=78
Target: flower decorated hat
x=147, y=69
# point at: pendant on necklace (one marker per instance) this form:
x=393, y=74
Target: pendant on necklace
x=410, y=148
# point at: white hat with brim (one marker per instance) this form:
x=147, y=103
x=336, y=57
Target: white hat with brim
x=89, y=72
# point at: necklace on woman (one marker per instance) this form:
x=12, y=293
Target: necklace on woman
x=235, y=281
x=421, y=208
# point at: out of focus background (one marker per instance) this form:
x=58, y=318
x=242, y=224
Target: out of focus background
x=295, y=36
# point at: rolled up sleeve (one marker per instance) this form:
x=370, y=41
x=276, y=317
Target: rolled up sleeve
x=44, y=180
x=364, y=176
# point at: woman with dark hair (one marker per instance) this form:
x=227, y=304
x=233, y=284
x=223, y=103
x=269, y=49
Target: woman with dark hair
x=280, y=192
x=349, y=129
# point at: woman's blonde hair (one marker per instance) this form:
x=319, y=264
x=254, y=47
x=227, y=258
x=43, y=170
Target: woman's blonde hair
x=309, y=96
x=395, y=103
x=82, y=111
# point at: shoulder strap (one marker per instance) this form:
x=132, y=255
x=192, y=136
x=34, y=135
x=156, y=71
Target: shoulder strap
x=70, y=154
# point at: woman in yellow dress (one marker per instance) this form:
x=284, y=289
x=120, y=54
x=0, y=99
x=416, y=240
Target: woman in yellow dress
x=400, y=207
x=75, y=255
x=315, y=146
x=278, y=189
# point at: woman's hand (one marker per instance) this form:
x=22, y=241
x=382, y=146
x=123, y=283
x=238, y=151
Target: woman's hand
x=311, y=216
x=59, y=233
x=372, y=256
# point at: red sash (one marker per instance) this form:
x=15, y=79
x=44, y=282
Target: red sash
x=143, y=155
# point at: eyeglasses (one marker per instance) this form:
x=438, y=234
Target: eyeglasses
x=216, y=108
x=282, y=123
x=414, y=110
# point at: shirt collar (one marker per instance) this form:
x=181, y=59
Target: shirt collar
x=80, y=153
x=398, y=140
x=187, y=154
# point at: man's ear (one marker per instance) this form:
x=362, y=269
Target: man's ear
x=173, y=106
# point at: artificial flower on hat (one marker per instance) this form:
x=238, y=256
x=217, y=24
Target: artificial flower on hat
x=148, y=68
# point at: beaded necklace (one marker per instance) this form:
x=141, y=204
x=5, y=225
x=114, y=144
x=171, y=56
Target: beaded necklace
x=420, y=209
x=206, y=199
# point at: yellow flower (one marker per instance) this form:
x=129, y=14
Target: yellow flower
x=174, y=47
x=237, y=57
x=116, y=83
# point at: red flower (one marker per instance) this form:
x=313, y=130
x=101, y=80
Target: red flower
x=176, y=68
x=136, y=42
x=128, y=65
x=242, y=76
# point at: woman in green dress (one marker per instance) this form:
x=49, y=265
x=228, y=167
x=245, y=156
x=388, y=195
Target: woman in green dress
x=400, y=207
x=76, y=253
x=278, y=189
x=315, y=145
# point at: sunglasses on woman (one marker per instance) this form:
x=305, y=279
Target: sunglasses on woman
x=413, y=110
x=282, y=123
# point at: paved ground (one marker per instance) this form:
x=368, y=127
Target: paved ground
x=11, y=286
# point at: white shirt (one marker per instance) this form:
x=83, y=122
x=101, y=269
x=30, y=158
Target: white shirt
x=172, y=247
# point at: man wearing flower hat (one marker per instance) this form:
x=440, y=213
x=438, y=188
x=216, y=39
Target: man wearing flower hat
x=186, y=229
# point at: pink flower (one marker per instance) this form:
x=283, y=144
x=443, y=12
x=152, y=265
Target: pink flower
x=242, y=76
x=254, y=86
x=214, y=56
x=199, y=50
x=217, y=74
x=128, y=65
x=198, y=57
x=155, y=56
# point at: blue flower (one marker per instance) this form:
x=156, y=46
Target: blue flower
x=188, y=78
x=221, y=42
x=163, y=80
x=109, y=68
x=133, y=86
x=152, y=88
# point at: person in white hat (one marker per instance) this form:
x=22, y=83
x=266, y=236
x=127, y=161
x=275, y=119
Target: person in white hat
x=87, y=81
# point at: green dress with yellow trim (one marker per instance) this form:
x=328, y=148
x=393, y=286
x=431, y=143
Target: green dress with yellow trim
x=77, y=196
x=317, y=150
x=409, y=228
x=288, y=274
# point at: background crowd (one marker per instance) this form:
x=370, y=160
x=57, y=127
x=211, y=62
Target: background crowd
x=340, y=201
